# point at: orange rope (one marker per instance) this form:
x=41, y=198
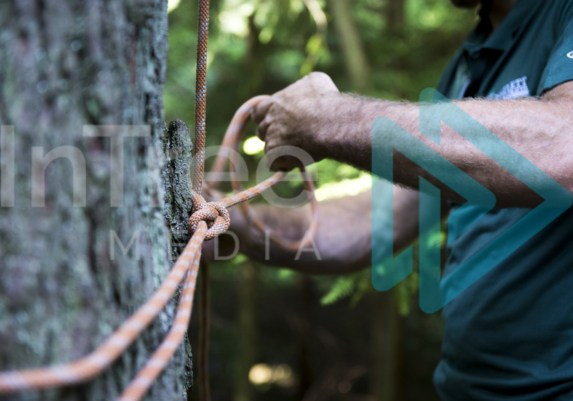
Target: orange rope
x=200, y=94
x=94, y=363
x=161, y=357
x=208, y=220
x=229, y=151
x=100, y=359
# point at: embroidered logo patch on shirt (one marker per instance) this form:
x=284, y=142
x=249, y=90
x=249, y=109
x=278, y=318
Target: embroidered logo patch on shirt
x=514, y=90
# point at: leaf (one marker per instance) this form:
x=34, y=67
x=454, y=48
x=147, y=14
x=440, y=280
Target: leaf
x=342, y=288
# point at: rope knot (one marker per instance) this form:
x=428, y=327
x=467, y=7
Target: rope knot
x=214, y=214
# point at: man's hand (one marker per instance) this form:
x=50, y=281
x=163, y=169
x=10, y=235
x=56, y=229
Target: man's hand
x=296, y=116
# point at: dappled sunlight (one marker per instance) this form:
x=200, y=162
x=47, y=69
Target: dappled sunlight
x=343, y=188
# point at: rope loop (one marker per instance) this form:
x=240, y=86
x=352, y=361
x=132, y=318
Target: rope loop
x=213, y=213
x=231, y=140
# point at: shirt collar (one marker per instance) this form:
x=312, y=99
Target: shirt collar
x=505, y=34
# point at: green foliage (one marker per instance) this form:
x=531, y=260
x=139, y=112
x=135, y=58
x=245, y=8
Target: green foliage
x=342, y=288
x=353, y=286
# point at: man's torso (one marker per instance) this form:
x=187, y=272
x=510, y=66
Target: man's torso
x=510, y=334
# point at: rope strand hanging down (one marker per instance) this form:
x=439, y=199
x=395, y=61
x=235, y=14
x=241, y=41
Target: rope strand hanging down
x=100, y=359
x=161, y=357
x=199, y=162
x=200, y=94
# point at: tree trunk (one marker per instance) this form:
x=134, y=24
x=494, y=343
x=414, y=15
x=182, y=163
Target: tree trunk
x=350, y=43
x=386, y=347
x=247, y=333
x=66, y=282
x=395, y=15
x=306, y=376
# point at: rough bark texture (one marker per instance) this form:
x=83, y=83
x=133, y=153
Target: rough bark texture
x=65, y=64
x=178, y=148
x=176, y=182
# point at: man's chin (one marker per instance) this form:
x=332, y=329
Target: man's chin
x=466, y=3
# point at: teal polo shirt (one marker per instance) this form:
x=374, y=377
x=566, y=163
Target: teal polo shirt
x=510, y=335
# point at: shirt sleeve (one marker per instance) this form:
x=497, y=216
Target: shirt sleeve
x=559, y=68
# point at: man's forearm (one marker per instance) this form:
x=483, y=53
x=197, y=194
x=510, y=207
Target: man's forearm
x=343, y=242
x=539, y=129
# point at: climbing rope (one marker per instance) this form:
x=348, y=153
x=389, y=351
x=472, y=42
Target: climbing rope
x=161, y=357
x=93, y=364
x=200, y=95
x=229, y=152
x=207, y=220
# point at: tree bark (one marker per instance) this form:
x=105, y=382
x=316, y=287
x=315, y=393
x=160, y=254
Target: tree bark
x=65, y=282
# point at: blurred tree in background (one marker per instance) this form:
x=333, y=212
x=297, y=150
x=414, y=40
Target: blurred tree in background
x=280, y=335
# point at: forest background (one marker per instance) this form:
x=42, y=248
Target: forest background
x=278, y=334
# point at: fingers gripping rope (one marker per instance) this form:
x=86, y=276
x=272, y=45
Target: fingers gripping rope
x=231, y=142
